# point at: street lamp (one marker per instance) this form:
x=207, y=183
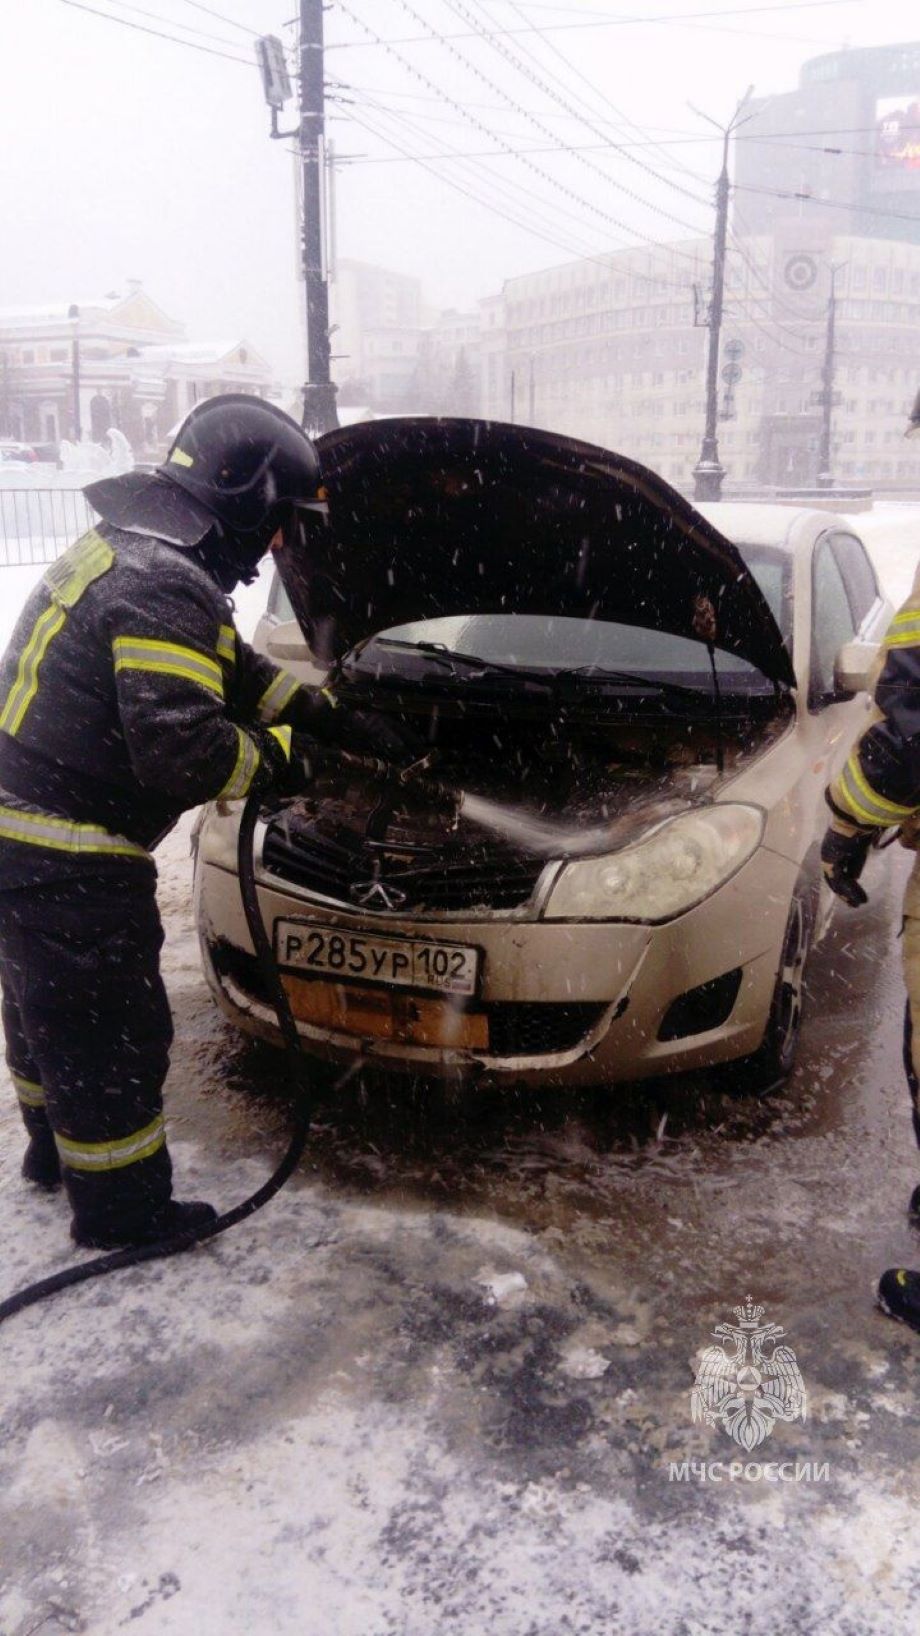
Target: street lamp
x=73, y=312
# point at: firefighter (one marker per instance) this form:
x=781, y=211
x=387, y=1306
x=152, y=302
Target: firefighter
x=879, y=788
x=127, y=697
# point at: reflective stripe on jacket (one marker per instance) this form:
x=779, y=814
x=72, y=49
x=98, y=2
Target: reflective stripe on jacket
x=127, y=696
x=879, y=785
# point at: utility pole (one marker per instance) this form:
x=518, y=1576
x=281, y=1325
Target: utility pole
x=825, y=478
x=532, y=394
x=319, y=393
x=319, y=414
x=709, y=472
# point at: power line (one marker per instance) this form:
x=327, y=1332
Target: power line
x=512, y=56
x=472, y=119
x=610, y=21
x=828, y=204
x=605, y=145
x=141, y=28
x=222, y=17
x=618, y=18
x=596, y=91
x=605, y=261
x=512, y=192
x=187, y=28
x=509, y=191
x=677, y=139
x=539, y=125
x=459, y=187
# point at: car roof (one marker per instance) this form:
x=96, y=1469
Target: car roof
x=746, y=523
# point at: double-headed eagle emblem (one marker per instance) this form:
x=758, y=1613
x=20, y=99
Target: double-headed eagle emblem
x=748, y=1382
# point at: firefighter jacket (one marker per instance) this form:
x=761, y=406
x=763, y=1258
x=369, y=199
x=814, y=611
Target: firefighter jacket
x=879, y=785
x=127, y=696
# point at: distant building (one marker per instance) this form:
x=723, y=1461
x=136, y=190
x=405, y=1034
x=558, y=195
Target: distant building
x=607, y=350
x=378, y=321
x=844, y=148
x=118, y=360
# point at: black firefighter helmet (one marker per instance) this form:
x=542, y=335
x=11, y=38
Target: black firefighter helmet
x=244, y=469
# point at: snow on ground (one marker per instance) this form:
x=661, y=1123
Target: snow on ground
x=436, y=1385
x=444, y=1408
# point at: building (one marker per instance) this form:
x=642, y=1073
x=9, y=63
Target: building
x=843, y=148
x=76, y=368
x=607, y=350
x=378, y=319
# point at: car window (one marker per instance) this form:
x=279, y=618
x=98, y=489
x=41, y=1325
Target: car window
x=279, y=603
x=559, y=642
x=858, y=574
x=772, y=571
x=832, y=621
x=556, y=642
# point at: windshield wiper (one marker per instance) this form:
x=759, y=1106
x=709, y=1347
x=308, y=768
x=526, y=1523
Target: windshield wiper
x=656, y=684
x=449, y=659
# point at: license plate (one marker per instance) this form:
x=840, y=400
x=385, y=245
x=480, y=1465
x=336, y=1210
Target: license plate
x=386, y=1013
x=396, y=962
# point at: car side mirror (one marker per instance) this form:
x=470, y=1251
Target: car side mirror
x=286, y=644
x=854, y=668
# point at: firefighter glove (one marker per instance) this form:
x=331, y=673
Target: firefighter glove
x=383, y=735
x=288, y=760
x=843, y=858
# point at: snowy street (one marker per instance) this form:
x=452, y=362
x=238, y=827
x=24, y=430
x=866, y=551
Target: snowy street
x=442, y=1383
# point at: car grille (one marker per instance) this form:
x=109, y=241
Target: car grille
x=332, y=865
x=516, y=1029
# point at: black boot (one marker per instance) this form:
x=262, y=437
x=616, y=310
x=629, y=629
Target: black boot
x=40, y=1163
x=913, y=1209
x=899, y=1295
x=168, y=1221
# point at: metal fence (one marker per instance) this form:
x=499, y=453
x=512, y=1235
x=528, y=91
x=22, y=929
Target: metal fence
x=36, y=525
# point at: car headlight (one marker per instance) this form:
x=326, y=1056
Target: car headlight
x=677, y=866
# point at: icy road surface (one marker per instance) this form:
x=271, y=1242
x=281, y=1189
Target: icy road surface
x=438, y=1384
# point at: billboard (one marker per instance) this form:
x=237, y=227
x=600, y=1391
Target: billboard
x=897, y=141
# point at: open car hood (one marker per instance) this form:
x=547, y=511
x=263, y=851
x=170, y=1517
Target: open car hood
x=430, y=517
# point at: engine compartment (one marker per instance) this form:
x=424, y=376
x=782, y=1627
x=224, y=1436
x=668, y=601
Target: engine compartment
x=619, y=778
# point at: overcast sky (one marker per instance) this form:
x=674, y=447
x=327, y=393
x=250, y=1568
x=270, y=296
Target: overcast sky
x=126, y=155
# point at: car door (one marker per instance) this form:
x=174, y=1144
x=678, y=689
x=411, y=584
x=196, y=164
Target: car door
x=846, y=604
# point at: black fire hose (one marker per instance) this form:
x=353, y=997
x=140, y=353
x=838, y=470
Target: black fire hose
x=132, y=1256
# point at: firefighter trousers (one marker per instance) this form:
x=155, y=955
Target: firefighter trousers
x=88, y=1031
x=910, y=947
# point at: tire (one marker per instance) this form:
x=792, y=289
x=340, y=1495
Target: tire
x=774, y=1059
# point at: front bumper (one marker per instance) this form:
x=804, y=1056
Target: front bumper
x=575, y=1003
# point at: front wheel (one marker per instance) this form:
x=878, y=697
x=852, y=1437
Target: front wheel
x=774, y=1058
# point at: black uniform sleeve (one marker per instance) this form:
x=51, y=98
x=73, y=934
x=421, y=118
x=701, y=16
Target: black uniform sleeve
x=168, y=639
x=262, y=693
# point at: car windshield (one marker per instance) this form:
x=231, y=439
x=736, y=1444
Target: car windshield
x=554, y=643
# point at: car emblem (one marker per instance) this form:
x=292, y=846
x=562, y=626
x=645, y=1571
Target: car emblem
x=376, y=894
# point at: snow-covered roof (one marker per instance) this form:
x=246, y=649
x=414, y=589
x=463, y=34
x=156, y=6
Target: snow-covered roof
x=197, y=352
x=53, y=312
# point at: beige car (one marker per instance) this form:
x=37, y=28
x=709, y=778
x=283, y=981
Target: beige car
x=641, y=703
